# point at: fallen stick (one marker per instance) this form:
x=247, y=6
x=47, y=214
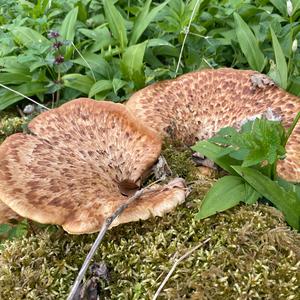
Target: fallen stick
x=99, y=238
x=175, y=265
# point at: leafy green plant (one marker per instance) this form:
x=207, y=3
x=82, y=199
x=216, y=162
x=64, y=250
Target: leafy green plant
x=113, y=48
x=250, y=157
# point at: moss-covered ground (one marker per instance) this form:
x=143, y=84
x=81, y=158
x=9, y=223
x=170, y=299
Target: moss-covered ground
x=251, y=254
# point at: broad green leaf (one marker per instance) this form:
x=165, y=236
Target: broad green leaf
x=281, y=65
x=29, y=37
x=67, y=29
x=286, y=201
x=144, y=19
x=217, y=154
x=14, y=78
x=100, y=86
x=132, y=64
x=249, y=44
x=96, y=62
x=116, y=23
x=251, y=195
x=118, y=84
x=78, y=82
x=280, y=5
x=226, y=193
x=29, y=89
x=296, y=6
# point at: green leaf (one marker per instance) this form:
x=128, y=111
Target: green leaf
x=14, y=78
x=29, y=37
x=251, y=195
x=132, y=64
x=8, y=98
x=286, y=201
x=226, y=193
x=67, y=29
x=100, y=86
x=96, y=62
x=281, y=65
x=217, y=154
x=82, y=83
x=144, y=19
x=249, y=44
x=116, y=23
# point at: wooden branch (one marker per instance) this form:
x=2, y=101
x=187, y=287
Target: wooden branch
x=99, y=238
x=175, y=265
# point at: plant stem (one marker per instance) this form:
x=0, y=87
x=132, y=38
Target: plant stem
x=291, y=128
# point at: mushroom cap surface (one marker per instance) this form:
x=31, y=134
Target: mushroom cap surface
x=71, y=168
x=197, y=105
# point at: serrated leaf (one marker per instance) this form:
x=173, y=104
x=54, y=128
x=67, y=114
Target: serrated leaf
x=100, y=86
x=249, y=44
x=116, y=23
x=281, y=65
x=226, y=193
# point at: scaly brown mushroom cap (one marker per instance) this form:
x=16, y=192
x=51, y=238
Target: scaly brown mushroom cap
x=7, y=214
x=196, y=105
x=72, y=167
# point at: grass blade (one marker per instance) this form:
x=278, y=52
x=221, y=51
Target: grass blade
x=249, y=44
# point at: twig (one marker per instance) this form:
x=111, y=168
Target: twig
x=100, y=236
x=24, y=96
x=86, y=62
x=175, y=265
x=187, y=30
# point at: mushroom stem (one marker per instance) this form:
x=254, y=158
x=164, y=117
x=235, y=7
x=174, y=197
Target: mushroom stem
x=100, y=237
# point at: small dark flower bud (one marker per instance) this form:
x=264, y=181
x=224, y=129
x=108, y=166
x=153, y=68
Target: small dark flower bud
x=57, y=45
x=59, y=60
x=53, y=34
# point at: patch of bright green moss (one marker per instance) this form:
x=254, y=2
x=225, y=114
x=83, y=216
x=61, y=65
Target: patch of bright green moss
x=251, y=254
x=10, y=125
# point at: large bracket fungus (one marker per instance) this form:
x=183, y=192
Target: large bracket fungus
x=73, y=167
x=196, y=105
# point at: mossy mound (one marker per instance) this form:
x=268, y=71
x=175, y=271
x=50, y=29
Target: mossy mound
x=10, y=125
x=251, y=254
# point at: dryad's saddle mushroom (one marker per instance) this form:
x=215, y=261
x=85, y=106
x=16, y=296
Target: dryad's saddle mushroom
x=196, y=105
x=82, y=160
x=76, y=164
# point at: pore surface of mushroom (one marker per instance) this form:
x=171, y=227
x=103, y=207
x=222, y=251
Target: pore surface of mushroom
x=71, y=169
x=196, y=105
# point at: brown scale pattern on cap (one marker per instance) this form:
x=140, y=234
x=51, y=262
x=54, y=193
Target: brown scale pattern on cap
x=196, y=105
x=69, y=170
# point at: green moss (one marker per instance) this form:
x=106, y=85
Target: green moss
x=10, y=125
x=251, y=254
